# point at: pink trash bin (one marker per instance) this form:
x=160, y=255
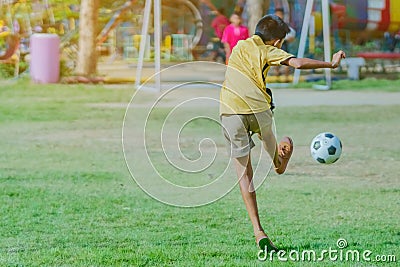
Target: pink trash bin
x=45, y=58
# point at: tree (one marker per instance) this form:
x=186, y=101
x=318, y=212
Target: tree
x=87, y=53
x=255, y=9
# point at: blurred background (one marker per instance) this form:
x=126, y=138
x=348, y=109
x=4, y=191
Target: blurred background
x=189, y=31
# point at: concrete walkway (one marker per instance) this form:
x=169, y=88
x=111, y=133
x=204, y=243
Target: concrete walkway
x=208, y=73
x=208, y=95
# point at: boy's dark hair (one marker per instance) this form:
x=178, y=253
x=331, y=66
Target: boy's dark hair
x=271, y=27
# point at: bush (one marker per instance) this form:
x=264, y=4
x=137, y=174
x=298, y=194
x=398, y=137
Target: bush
x=6, y=71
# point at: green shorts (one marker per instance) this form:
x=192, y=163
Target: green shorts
x=238, y=129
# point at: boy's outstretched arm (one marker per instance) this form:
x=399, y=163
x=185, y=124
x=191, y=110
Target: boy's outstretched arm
x=308, y=63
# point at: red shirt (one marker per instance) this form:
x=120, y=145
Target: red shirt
x=219, y=24
x=232, y=35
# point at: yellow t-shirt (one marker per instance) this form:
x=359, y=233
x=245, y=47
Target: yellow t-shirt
x=244, y=88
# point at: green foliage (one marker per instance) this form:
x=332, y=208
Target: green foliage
x=6, y=71
x=370, y=46
x=65, y=69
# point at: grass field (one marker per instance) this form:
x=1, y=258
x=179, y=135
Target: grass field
x=365, y=84
x=67, y=198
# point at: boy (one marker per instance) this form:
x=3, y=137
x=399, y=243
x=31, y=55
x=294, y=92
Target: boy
x=246, y=106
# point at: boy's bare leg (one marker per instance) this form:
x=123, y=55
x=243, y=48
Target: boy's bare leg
x=244, y=172
x=245, y=175
x=270, y=145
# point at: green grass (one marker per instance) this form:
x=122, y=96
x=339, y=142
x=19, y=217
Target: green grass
x=67, y=199
x=366, y=84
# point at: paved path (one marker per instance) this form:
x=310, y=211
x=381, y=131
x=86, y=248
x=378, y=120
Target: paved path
x=283, y=97
x=176, y=75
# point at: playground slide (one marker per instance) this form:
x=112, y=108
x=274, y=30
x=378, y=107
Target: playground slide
x=356, y=15
x=383, y=25
x=378, y=15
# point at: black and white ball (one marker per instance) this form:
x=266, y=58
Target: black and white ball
x=326, y=148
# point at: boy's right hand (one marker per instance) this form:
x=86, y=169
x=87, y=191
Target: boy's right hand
x=337, y=57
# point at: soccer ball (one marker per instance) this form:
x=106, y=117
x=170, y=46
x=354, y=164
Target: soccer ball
x=326, y=148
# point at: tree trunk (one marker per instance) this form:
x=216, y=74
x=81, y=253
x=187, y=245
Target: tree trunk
x=255, y=9
x=87, y=54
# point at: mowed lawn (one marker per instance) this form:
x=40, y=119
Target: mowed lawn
x=67, y=198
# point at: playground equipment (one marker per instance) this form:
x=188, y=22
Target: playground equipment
x=12, y=44
x=352, y=22
x=327, y=42
x=157, y=36
x=183, y=28
x=157, y=41
x=372, y=16
x=368, y=15
x=356, y=25
x=11, y=54
x=114, y=21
